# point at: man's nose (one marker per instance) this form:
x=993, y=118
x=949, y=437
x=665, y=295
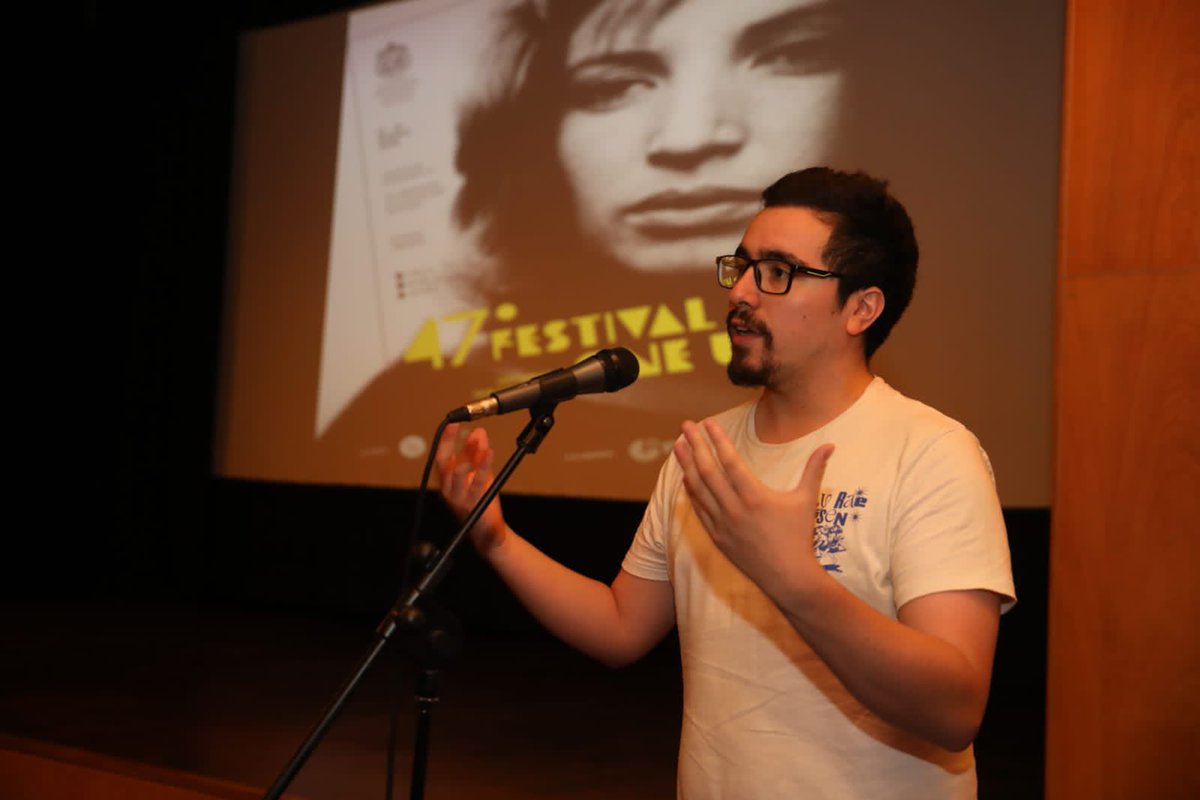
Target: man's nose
x=745, y=290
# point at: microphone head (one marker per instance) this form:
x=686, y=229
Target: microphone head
x=621, y=368
x=606, y=371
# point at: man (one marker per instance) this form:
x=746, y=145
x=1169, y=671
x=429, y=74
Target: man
x=842, y=657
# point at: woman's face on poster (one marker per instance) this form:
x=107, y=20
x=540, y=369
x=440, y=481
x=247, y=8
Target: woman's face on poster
x=676, y=120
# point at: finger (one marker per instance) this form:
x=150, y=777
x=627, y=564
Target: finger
x=470, y=450
x=703, y=500
x=445, y=450
x=703, y=503
x=705, y=513
x=740, y=478
x=682, y=451
x=709, y=469
x=814, y=471
x=683, y=454
x=481, y=456
x=699, y=450
x=456, y=480
x=481, y=477
x=445, y=471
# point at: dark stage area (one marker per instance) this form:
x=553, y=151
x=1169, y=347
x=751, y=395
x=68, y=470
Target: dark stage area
x=217, y=657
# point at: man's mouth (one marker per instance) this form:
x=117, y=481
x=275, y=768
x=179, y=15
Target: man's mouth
x=741, y=326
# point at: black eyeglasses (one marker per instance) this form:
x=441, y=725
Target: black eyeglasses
x=771, y=275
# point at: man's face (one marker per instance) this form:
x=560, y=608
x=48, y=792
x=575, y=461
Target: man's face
x=779, y=340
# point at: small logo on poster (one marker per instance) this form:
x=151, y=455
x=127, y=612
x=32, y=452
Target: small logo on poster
x=392, y=60
x=412, y=446
x=649, y=450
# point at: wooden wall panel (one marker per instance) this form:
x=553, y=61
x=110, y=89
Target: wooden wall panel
x=1123, y=693
x=1124, y=599
x=1130, y=189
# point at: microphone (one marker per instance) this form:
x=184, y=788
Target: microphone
x=607, y=371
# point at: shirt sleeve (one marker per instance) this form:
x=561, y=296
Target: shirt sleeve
x=949, y=532
x=647, y=555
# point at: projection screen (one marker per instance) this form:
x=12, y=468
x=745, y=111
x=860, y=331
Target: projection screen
x=435, y=199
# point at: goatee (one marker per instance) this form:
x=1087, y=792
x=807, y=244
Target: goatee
x=739, y=371
x=742, y=374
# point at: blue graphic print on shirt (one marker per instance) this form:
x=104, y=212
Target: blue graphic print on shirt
x=834, y=511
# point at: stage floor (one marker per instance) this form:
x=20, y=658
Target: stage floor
x=230, y=693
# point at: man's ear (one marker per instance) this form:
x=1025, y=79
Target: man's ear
x=863, y=307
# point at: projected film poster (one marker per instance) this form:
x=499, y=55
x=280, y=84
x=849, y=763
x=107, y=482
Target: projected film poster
x=520, y=184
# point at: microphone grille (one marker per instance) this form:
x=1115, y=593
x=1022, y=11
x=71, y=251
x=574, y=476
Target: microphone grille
x=621, y=368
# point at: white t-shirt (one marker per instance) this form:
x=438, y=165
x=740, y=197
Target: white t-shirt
x=908, y=507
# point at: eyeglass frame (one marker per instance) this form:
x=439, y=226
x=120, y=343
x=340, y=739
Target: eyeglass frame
x=752, y=263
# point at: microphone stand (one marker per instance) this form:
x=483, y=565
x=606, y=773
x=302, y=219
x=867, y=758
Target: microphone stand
x=405, y=614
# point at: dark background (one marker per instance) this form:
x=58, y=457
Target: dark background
x=124, y=509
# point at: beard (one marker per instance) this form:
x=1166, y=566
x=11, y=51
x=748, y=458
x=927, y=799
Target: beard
x=742, y=373
x=739, y=370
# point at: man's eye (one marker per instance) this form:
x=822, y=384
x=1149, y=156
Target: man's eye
x=775, y=272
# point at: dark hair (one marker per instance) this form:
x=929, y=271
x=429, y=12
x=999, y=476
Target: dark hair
x=872, y=242
x=507, y=130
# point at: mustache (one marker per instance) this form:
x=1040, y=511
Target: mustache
x=740, y=316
